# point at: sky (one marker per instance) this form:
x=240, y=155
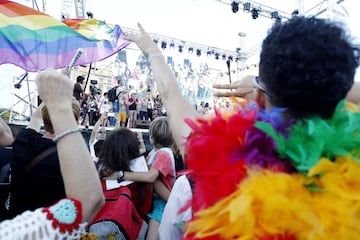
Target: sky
x=207, y=22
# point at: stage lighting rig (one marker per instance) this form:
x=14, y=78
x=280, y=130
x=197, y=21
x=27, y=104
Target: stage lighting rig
x=235, y=7
x=255, y=13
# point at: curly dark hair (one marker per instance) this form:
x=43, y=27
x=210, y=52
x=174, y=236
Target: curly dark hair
x=120, y=146
x=307, y=65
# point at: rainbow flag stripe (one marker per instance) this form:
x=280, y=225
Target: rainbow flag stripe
x=35, y=41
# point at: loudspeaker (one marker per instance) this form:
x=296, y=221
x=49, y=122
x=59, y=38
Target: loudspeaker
x=143, y=124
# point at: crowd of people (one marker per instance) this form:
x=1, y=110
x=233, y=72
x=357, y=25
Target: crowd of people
x=194, y=81
x=280, y=161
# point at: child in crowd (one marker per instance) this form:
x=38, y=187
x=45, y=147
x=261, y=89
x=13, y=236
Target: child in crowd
x=161, y=173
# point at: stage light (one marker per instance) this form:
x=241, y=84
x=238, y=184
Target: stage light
x=255, y=13
x=172, y=45
x=247, y=7
x=198, y=52
x=230, y=58
x=180, y=48
x=295, y=13
x=191, y=49
x=90, y=14
x=156, y=41
x=235, y=7
x=216, y=56
x=208, y=53
x=223, y=57
x=163, y=45
x=275, y=15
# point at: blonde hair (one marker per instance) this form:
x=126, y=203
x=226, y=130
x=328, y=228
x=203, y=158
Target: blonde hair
x=160, y=132
x=46, y=118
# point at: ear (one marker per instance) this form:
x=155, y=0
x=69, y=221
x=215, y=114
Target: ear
x=260, y=98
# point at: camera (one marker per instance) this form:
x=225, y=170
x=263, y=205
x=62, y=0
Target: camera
x=93, y=82
x=94, y=90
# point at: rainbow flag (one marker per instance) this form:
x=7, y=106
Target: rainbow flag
x=35, y=41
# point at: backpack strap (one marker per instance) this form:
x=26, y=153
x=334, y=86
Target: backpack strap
x=38, y=158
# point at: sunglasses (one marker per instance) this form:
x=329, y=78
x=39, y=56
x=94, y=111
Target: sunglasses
x=258, y=85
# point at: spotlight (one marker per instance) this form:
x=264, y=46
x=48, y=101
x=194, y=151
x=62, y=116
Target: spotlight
x=208, y=53
x=230, y=58
x=90, y=14
x=180, y=48
x=235, y=7
x=295, y=12
x=238, y=50
x=163, y=45
x=247, y=7
x=172, y=45
x=255, y=13
x=216, y=56
x=223, y=57
x=198, y=52
x=191, y=50
x=275, y=15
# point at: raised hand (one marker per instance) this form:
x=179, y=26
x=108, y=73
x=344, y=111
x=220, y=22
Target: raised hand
x=143, y=41
x=54, y=87
x=242, y=88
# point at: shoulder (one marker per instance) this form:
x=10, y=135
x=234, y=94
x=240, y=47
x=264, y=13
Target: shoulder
x=63, y=219
x=163, y=156
x=27, y=135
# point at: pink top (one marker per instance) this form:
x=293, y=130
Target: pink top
x=164, y=164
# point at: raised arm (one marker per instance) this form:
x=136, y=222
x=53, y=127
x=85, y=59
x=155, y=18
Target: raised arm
x=6, y=136
x=36, y=119
x=95, y=129
x=177, y=107
x=79, y=174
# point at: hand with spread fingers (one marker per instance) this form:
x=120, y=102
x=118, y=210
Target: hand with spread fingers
x=243, y=88
x=177, y=107
x=143, y=41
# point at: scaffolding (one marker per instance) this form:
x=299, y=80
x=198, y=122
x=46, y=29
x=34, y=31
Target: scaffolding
x=68, y=7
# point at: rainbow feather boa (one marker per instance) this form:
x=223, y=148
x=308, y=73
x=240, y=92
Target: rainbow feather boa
x=259, y=178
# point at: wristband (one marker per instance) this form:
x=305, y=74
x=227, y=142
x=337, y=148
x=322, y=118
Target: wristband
x=120, y=176
x=65, y=133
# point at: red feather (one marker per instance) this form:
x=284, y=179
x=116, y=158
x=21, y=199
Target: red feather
x=212, y=155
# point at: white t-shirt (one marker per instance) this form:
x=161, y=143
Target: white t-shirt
x=136, y=165
x=180, y=194
x=104, y=106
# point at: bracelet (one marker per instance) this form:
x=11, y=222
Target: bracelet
x=65, y=133
x=159, y=54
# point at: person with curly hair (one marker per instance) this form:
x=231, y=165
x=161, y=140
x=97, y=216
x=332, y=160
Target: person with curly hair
x=287, y=166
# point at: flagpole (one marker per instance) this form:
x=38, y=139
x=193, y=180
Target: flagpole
x=88, y=76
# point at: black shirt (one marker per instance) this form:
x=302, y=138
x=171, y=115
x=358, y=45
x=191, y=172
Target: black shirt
x=78, y=92
x=42, y=185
